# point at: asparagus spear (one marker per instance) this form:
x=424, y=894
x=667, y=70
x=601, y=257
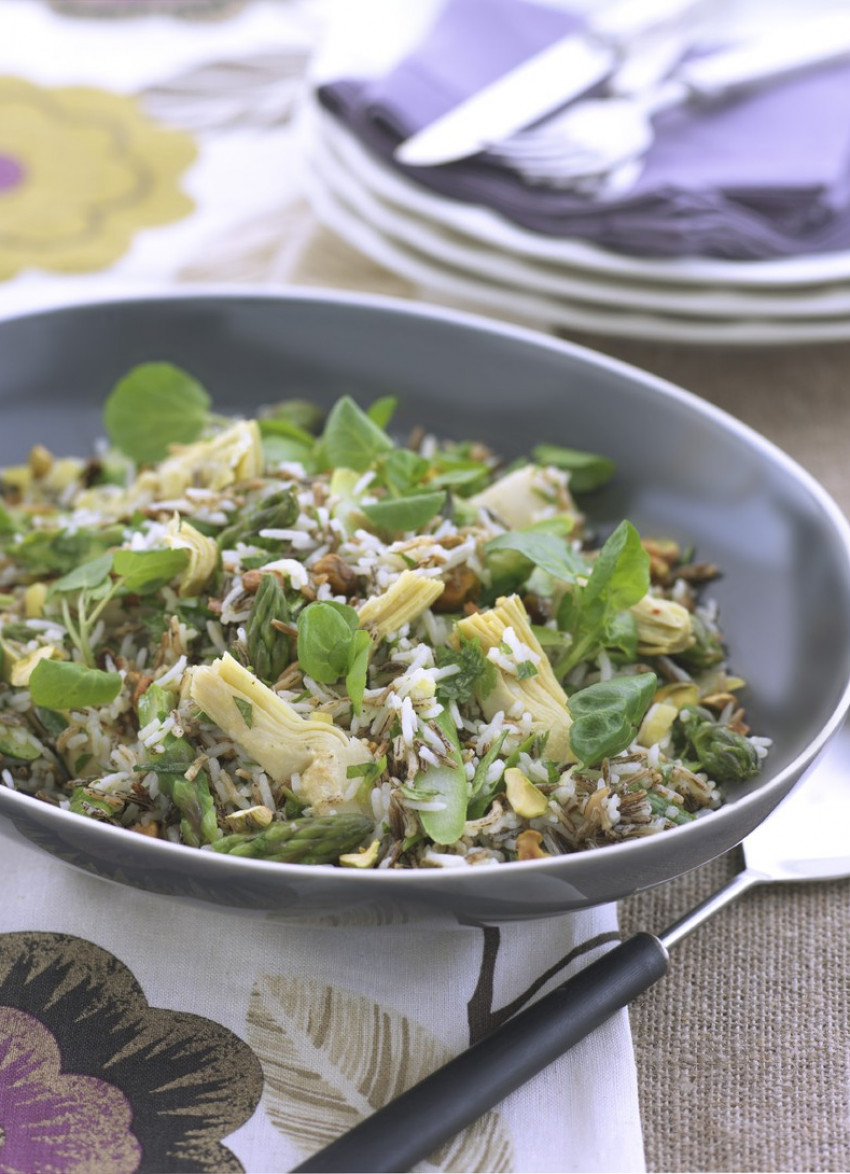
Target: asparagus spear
x=192, y=798
x=276, y=512
x=269, y=650
x=320, y=840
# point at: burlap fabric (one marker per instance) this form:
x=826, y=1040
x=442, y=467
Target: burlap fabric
x=743, y=1051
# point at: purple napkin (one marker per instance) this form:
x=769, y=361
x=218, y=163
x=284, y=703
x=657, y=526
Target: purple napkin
x=753, y=176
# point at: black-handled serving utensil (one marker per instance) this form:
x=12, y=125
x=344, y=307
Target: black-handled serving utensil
x=802, y=840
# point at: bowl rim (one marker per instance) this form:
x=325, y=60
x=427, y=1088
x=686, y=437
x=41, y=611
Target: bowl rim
x=634, y=851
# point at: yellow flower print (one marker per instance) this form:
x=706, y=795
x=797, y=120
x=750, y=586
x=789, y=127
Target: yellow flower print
x=81, y=170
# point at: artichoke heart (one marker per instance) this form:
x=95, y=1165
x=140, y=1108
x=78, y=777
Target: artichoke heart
x=664, y=627
x=527, y=495
x=406, y=599
x=235, y=454
x=203, y=555
x=18, y=667
x=540, y=695
x=269, y=730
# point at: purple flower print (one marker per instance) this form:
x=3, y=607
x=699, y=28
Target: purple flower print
x=92, y=1078
x=38, y=1102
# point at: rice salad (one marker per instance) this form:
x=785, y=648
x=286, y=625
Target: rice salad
x=296, y=639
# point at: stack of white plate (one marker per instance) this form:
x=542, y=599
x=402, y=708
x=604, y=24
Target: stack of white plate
x=469, y=255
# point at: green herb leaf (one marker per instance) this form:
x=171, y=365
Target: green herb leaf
x=48, y=552
x=281, y=426
x=476, y=674
x=359, y=652
x=86, y=577
x=246, y=709
x=153, y=406
x=382, y=410
x=350, y=439
x=63, y=684
x=607, y=715
x=547, y=551
x=401, y=470
x=324, y=635
x=145, y=571
x=620, y=577
x=465, y=476
x=587, y=470
x=301, y=413
x=401, y=514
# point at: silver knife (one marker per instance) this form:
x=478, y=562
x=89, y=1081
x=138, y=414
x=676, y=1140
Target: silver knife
x=547, y=80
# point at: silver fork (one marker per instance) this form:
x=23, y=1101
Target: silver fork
x=804, y=839
x=593, y=138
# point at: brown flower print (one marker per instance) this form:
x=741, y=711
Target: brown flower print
x=93, y=1080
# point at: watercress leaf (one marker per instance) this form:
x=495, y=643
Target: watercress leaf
x=145, y=571
x=64, y=684
x=281, y=426
x=350, y=439
x=359, y=652
x=621, y=632
x=348, y=613
x=606, y=716
x=324, y=635
x=87, y=576
x=382, y=410
x=547, y=551
x=476, y=674
x=467, y=478
x=620, y=575
x=153, y=406
x=47, y=552
x=400, y=514
x=301, y=413
x=401, y=470
x=587, y=470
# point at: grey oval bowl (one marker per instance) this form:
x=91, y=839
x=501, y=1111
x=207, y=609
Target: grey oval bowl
x=685, y=470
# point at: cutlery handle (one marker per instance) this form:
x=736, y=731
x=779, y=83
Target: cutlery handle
x=416, y=1123
x=817, y=41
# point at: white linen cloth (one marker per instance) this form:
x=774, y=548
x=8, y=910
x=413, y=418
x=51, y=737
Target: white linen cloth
x=261, y=976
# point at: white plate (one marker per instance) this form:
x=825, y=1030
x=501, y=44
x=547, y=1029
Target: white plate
x=339, y=161
x=545, y=312
x=488, y=227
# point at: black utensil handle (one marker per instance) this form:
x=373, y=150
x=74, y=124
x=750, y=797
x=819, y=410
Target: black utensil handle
x=410, y=1127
